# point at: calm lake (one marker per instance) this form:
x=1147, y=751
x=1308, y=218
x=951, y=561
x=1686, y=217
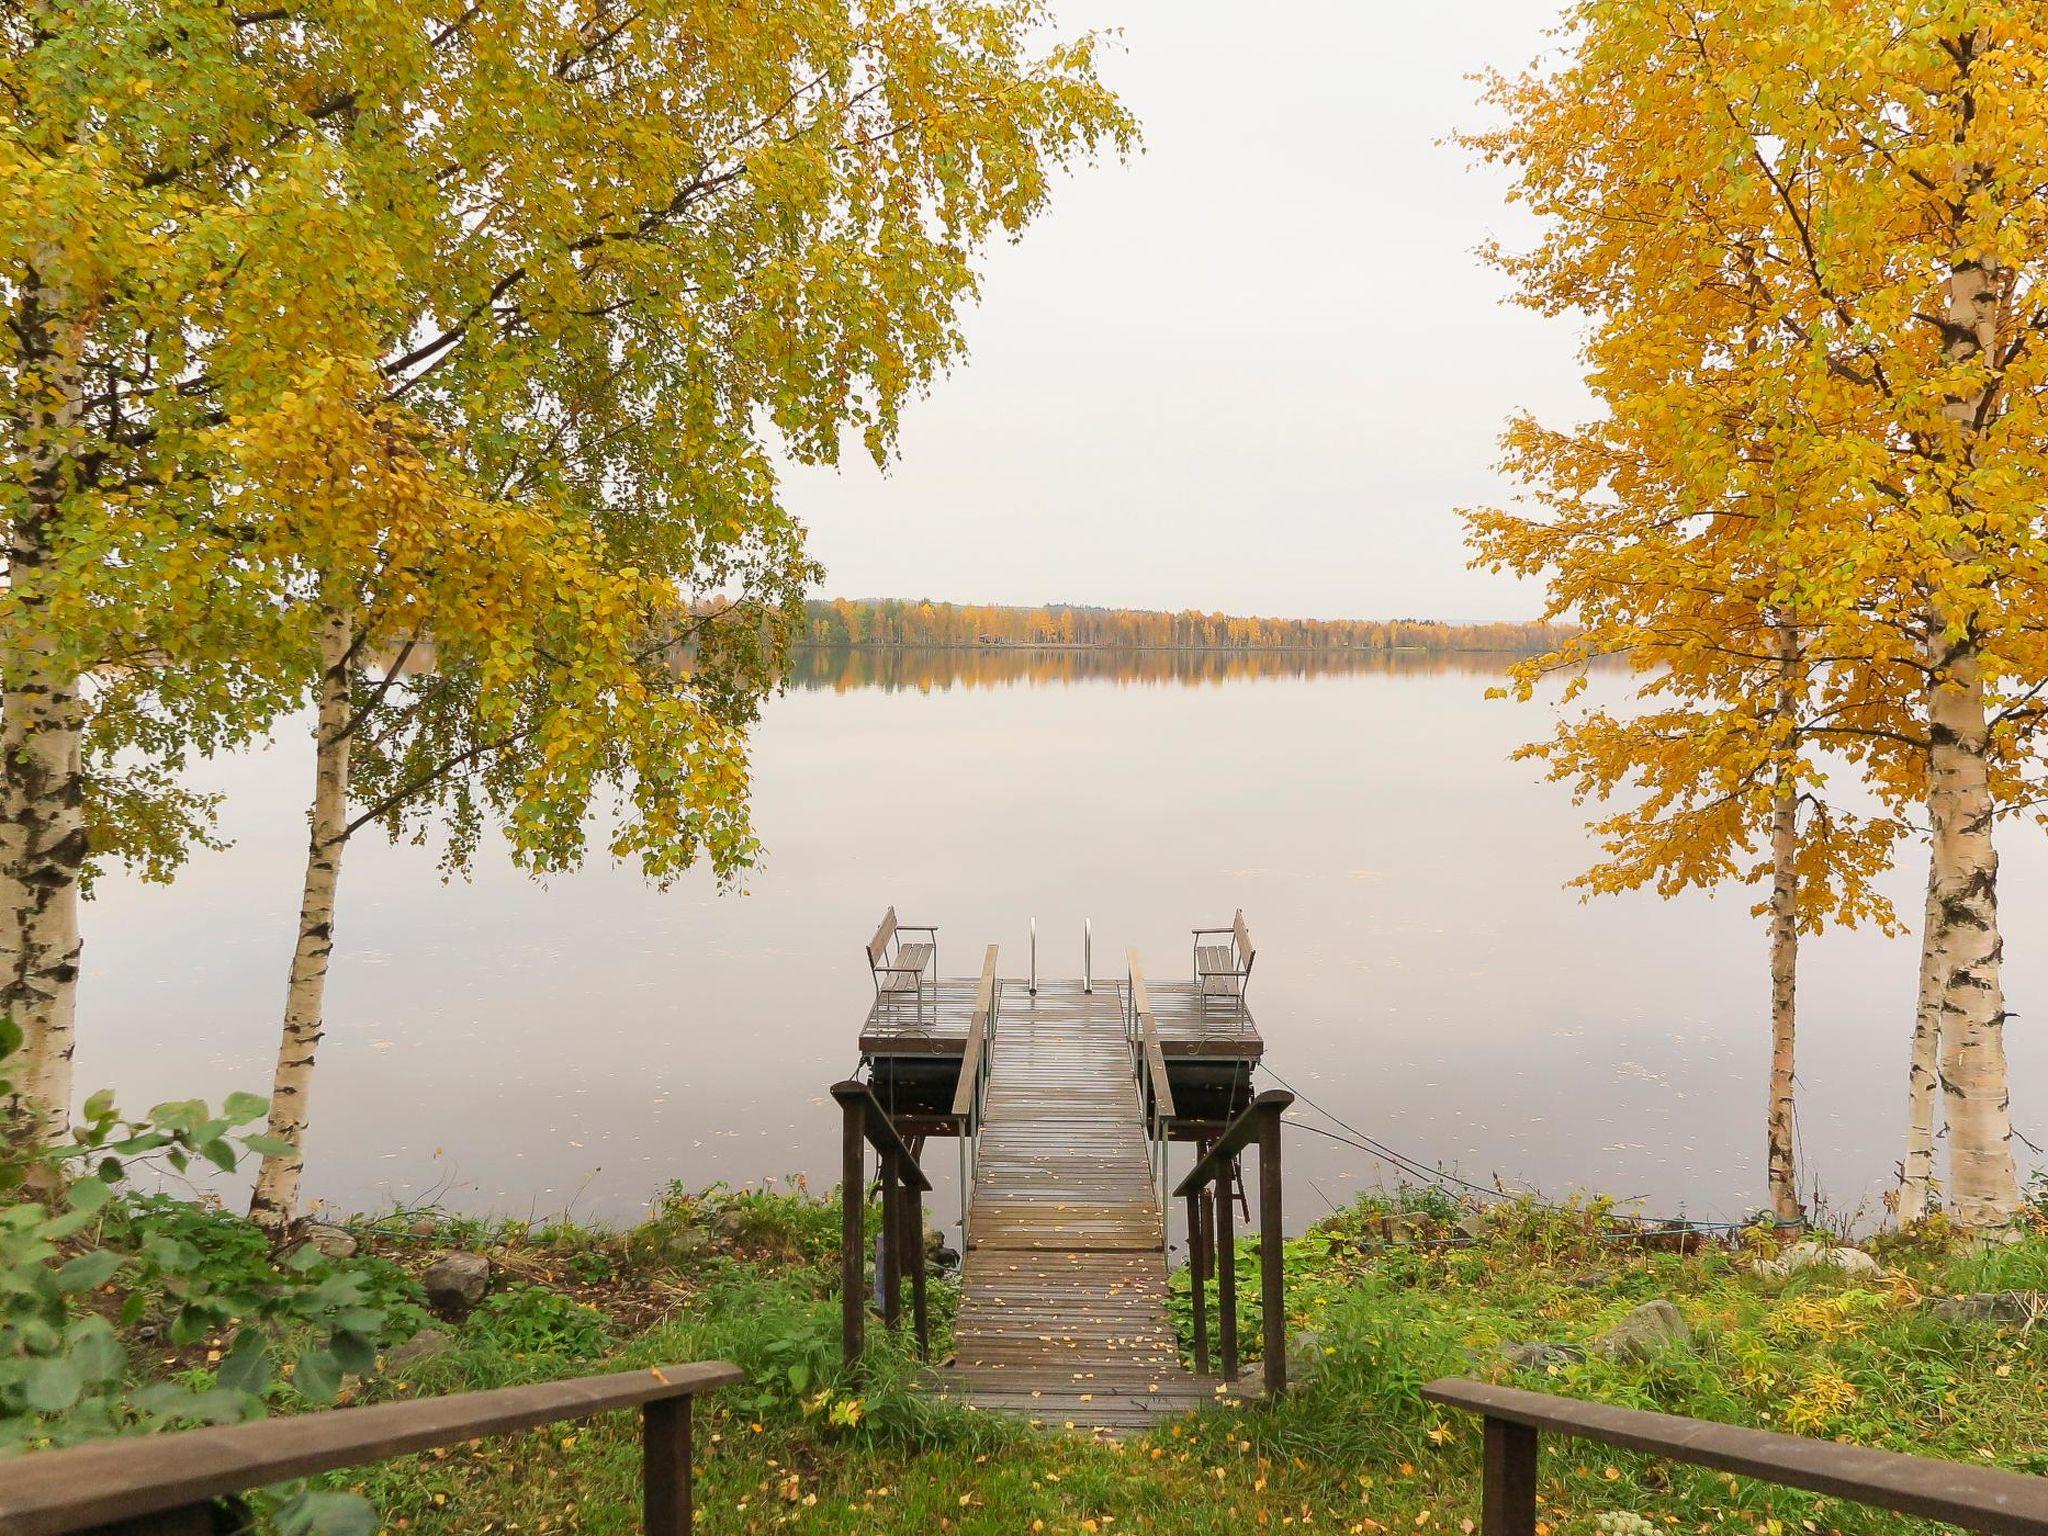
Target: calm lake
x=1422, y=974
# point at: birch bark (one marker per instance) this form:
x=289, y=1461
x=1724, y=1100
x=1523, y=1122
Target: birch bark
x=1916, y=1178
x=42, y=825
x=275, y=1199
x=1781, y=1163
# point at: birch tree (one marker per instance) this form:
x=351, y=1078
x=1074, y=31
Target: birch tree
x=1861, y=188
x=721, y=235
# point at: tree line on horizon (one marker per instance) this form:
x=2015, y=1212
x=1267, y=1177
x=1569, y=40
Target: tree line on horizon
x=914, y=622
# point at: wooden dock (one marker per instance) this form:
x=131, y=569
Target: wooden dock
x=1062, y=1313
x=1065, y=1097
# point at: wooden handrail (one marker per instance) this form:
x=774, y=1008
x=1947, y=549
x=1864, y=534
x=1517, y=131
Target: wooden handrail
x=881, y=1132
x=47, y=1493
x=1238, y=1135
x=977, y=1037
x=1148, y=1027
x=1976, y=1498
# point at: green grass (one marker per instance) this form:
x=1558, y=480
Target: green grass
x=803, y=1447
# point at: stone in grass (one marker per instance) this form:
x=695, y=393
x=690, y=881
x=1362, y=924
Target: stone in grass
x=1653, y=1326
x=457, y=1283
x=335, y=1242
x=1541, y=1355
x=424, y=1345
x=1992, y=1307
x=1850, y=1261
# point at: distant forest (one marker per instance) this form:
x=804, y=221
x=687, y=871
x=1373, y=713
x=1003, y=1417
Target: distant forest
x=894, y=622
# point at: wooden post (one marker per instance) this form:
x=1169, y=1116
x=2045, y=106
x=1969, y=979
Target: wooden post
x=1272, y=1253
x=665, y=1466
x=853, y=1234
x=1226, y=1275
x=892, y=1238
x=1197, y=1282
x=1509, y=1479
x=913, y=1212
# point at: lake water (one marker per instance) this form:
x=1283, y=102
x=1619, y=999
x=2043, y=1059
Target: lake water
x=1423, y=975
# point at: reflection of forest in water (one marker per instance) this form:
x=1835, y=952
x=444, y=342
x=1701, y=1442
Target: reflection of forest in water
x=939, y=669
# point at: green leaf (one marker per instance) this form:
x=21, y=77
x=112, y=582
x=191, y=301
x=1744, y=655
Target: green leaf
x=10, y=1036
x=54, y=1384
x=217, y=1152
x=96, y=1350
x=317, y=1375
x=266, y=1145
x=323, y=1512
x=241, y=1108
x=99, y=1108
x=246, y=1366
x=355, y=1353
x=88, y=1271
x=88, y=1194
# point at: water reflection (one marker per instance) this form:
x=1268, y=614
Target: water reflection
x=941, y=669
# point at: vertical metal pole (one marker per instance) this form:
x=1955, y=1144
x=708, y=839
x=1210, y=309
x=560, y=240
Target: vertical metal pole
x=1034, y=957
x=892, y=1234
x=913, y=1218
x=853, y=1237
x=665, y=1466
x=1088, y=955
x=966, y=1186
x=1272, y=1253
x=1197, y=1287
x=1226, y=1275
x=1509, y=1480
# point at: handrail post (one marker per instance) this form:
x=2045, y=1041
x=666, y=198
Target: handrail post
x=1034, y=957
x=853, y=1237
x=1088, y=955
x=665, y=1467
x=1226, y=1276
x=912, y=1201
x=1272, y=1252
x=1508, y=1483
x=1197, y=1287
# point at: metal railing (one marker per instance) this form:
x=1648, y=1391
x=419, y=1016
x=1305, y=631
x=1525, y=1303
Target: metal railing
x=1148, y=1073
x=170, y=1485
x=1975, y=1498
x=1217, y=1253
x=970, y=1094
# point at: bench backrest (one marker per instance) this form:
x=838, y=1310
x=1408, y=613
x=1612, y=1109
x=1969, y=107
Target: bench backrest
x=878, y=946
x=1244, y=941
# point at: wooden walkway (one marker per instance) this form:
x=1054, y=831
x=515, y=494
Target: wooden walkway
x=1063, y=1300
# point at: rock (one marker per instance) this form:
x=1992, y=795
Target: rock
x=1473, y=1225
x=1991, y=1307
x=1541, y=1355
x=423, y=1226
x=424, y=1345
x=1991, y=1239
x=729, y=1222
x=1650, y=1327
x=1851, y=1261
x=1405, y=1226
x=1305, y=1355
x=335, y=1242
x=687, y=1243
x=457, y=1283
x=1594, y=1280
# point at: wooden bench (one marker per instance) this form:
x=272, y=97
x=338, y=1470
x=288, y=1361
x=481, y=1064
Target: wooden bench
x=1224, y=970
x=903, y=970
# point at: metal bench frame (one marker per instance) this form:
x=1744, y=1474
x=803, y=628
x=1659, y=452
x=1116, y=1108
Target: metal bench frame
x=1236, y=959
x=885, y=953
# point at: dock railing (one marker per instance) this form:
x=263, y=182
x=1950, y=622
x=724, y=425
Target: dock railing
x=170, y=1484
x=1212, y=1177
x=1148, y=1072
x=970, y=1096
x=1976, y=1498
x=904, y=1186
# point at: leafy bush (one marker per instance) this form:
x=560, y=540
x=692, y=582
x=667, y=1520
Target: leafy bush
x=531, y=1320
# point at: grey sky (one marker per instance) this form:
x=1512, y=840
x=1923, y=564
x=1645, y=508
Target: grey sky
x=1255, y=370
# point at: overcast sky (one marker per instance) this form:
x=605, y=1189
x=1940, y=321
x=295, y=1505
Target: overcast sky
x=1257, y=369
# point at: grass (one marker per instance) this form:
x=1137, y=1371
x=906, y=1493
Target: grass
x=751, y=1276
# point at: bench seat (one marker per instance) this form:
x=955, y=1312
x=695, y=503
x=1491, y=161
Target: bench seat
x=1213, y=959
x=905, y=972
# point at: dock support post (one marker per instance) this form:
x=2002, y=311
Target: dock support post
x=1272, y=1253
x=1197, y=1282
x=1508, y=1479
x=891, y=1269
x=1226, y=1276
x=853, y=1241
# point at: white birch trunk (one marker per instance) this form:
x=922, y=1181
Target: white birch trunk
x=1983, y=1186
x=275, y=1199
x=43, y=844
x=1780, y=1160
x=1916, y=1173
